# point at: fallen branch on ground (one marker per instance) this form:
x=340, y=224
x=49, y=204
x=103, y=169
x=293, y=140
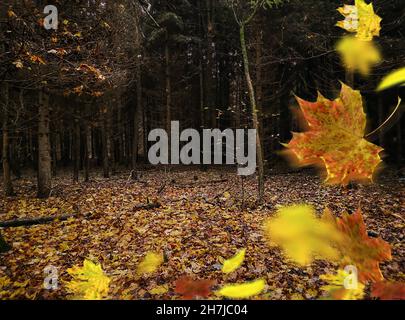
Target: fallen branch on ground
x=38, y=221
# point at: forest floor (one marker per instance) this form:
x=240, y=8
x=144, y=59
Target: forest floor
x=204, y=217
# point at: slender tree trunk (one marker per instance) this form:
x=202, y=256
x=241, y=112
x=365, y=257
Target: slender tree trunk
x=87, y=151
x=8, y=186
x=104, y=138
x=111, y=141
x=210, y=97
x=259, y=80
x=137, y=117
x=76, y=148
x=44, y=152
x=254, y=113
x=168, y=87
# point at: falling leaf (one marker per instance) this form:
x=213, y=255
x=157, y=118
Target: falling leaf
x=360, y=18
x=393, y=79
x=388, y=290
x=336, y=138
x=358, y=55
x=89, y=282
x=336, y=287
x=150, y=263
x=235, y=262
x=242, y=291
x=360, y=250
x=301, y=235
x=190, y=288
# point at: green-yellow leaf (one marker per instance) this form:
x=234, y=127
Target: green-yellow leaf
x=301, y=235
x=242, y=291
x=89, y=282
x=393, y=79
x=150, y=263
x=234, y=263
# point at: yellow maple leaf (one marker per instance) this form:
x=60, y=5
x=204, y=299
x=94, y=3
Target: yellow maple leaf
x=301, y=235
x=242, y=291
x=358, y=55
x=360, y=18
x=89, y=282
x=150, y=263
x=335, y=138
x=234, y=263
x=336, y=289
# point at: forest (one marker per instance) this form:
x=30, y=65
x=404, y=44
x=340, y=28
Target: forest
x=202, y=149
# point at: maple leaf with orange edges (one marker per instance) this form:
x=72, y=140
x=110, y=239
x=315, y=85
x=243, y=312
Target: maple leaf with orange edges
x=335, y=138
x=388, y=290
x=189, y=288
x=357, y=248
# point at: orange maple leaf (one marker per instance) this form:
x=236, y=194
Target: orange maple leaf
x=335, y=138
x=388, y=290
x=189, y=288
x=358, y=249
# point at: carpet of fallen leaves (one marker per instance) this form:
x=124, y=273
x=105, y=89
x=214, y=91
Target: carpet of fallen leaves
x=204, y=218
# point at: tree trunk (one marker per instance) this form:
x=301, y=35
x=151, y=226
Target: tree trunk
x=259, y=80
x=168, y=87
x=254, y=113
x=137, y=117
x=4, y=247
x=44, y=152
x=87, y=151
x=76, y=148
x=8, y=186
x=104, y=138
x=210, y=65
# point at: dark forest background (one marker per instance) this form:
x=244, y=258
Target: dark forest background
x=86, y=96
